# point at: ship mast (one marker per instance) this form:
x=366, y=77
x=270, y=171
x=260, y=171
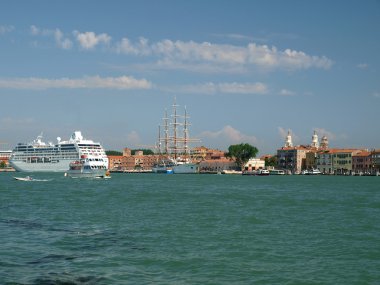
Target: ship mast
x=186, y=134
x=159, y=139
x=166, y=130
x=175, y=125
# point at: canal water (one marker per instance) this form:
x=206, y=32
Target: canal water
x=190, y=229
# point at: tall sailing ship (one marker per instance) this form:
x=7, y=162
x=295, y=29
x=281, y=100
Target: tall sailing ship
x=174, y=145
x=38, y=156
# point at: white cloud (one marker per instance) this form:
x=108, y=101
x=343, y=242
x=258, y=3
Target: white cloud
x=285, y=92
x=261, y=56
x=197, y=56
x=91, y=82
x=229, y=135
x=88, y=40
x=376, y=94
x=34, y=30
x=60, y=40
x=228, y=88
x=362, y=65
x=243, y=88
x=141, y=48
x=330, y=135
x=6, y=29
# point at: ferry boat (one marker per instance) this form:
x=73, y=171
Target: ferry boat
x=262, y=172
x=87, y=168
x=276, y=172
x=39, y=156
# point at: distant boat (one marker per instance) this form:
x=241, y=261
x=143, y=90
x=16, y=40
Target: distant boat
x=231, y=172
x=276, y=172
x=26, y=178
x=164, y=166
x=29, y=178
x=87, y=168
x=263, y=172
x=313, y=171
x=186, y=168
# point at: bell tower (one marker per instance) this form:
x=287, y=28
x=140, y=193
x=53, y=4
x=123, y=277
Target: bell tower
x=324, y=143
x=288, y=140
x=314, y=140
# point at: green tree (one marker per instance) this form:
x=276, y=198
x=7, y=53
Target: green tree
x=145, y=151
x=3, y=164
x=271, y=161
x=113, y=152
x=242, y=153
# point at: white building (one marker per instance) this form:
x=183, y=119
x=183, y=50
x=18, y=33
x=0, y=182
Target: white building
x=254, y=164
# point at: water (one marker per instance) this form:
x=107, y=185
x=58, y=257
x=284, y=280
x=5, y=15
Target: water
x=190, y=229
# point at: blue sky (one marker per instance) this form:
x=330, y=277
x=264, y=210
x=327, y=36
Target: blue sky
x=247, y=71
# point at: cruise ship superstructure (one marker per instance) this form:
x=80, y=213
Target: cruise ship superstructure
x=39, y=156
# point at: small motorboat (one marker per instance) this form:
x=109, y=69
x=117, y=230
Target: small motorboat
x=29, y=178
x=26, y=178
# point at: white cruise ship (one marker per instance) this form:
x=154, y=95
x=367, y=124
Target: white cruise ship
x=39, y=156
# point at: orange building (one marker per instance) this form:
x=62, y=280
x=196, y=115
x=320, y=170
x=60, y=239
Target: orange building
x=127, y=161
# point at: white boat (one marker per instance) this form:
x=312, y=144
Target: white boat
x=39, y=156
x=313, y=171
x=26, y=178
x=87, y=168
x=165, y=166
x=262, y=172
x=29, y=178
x=232, y=172
x=186, y=168
x=276, y=172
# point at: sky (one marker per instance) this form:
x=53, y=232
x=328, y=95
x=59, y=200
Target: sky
x=247, y=71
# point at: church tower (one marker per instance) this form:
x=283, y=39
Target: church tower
x=288, y=141
x=314, y=140
x=324, y=143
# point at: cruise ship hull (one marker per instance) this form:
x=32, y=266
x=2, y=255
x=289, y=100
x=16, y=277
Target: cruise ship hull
x=61, y=166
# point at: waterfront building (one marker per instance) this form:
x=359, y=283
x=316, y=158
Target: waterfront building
x=254, y=164
x=4, y=157
x=127, y=161
x=217, y=165
x=204, y=153
x=324, y=161
x=362, y=162
x=375, y=160
x=116, y=163
x=292, y=159
x=336, y=161
x=311, y=159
